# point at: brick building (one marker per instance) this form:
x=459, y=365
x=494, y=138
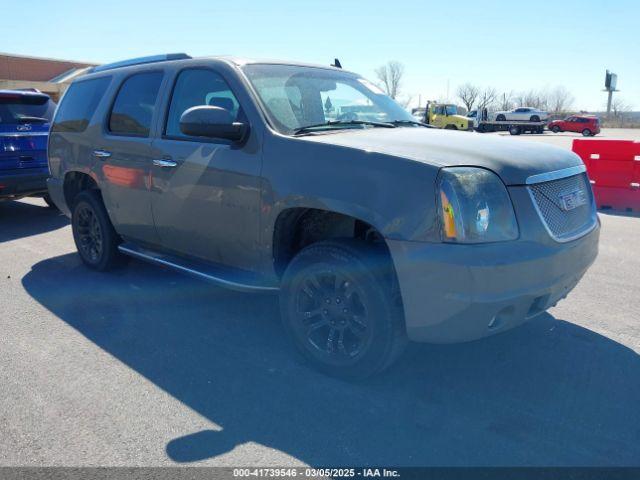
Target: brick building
x=48, y=75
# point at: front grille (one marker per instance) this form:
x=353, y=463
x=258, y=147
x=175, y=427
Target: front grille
x=553, y=201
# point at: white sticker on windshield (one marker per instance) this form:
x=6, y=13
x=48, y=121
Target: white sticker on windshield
x=375, y=89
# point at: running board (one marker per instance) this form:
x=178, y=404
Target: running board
x=224, y=276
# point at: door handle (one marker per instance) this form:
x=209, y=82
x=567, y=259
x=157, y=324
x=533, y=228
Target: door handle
x=101, y=154
x=164, y=163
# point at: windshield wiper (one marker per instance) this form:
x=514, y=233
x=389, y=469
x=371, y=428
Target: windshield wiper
x=341, y=123
x=411, y=122
x=27, y=119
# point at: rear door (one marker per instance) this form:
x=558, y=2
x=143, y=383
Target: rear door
x=206, y=192
x=124, y=156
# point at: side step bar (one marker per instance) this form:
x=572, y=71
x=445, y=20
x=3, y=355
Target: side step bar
x=220, y=275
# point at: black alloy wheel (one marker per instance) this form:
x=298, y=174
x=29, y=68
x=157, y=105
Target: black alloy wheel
x=89, y=234
x=338, y=308
x=94, y=235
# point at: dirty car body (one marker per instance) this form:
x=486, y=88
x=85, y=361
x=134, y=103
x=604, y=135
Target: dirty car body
x=481, y=234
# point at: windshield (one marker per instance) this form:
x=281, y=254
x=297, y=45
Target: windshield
x=16, y=108
x=295, y=97
x=452, y=110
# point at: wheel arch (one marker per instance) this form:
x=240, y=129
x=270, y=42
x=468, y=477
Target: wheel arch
x=76, y=181
x=296, y=227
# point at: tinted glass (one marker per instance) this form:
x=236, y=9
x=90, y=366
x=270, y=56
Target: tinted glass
x=79, y=104
x=25, y=108
x=134, y=106
x=198, y=87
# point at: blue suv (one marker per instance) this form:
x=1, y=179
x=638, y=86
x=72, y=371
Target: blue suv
x=25, y=117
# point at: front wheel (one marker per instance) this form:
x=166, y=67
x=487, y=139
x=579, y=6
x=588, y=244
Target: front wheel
x=514, y=130
x=586, y=132
x=338, y=307
x=534, y=118
x=94, y=236
x=500, y=118
x=555, y=129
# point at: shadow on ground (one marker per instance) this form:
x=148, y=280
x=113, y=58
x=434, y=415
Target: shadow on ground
x=549, y=393
x=21, y=219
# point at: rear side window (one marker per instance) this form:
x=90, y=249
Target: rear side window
x=135, y=104
x=79, y=104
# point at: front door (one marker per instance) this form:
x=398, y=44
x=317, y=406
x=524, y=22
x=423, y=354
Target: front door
x=124, y=156
x=205, y=193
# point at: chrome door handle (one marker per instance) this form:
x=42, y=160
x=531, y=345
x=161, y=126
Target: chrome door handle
x=165, y=163
x=102, y=154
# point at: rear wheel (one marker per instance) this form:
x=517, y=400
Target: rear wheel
x=555, y=129
x=534, y=118
x=586, y=132
x=94, y=236
x=514, y=130
x=338, y=308
x=500, y=118
x=450, y=127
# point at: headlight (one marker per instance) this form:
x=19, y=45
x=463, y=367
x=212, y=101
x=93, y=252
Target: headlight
x=474, y=206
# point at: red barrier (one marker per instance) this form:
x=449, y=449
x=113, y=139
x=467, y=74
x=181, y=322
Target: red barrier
x=614, y=170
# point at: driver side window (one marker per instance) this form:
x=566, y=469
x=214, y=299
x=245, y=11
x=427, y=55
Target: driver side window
x=195, y=87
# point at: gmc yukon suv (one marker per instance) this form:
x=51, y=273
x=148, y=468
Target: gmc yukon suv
x=309, y=181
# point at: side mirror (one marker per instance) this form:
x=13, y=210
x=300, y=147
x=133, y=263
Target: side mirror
x=212, y=122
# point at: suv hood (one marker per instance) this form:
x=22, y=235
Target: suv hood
x=513, y=160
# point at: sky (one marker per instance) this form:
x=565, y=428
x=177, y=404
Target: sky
x=510, y=45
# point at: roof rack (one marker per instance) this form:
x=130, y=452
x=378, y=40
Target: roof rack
x=139, y=61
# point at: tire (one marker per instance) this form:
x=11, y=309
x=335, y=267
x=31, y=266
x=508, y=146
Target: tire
x=534, y=118
x=49, y=202
x=514, y=130
x=555, y=129
x=501, y=118
x=338, y=308
x=95, y=238
x=586, y=132
x=450, y=127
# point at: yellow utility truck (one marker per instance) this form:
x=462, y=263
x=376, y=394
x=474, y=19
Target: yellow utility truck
x=445, y=115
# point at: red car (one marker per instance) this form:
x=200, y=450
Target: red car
x=587, y=125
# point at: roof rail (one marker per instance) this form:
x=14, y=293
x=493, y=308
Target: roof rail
x=139, y=61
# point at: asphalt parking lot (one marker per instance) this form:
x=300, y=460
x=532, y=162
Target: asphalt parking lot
x=144, y=366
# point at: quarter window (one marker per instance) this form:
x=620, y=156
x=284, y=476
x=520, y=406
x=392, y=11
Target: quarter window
x=134, y=106
x=79, y=104
x=199, y=87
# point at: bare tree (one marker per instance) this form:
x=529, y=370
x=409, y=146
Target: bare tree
x=405, y=100
x=390, y=77
x=533, y=98
x=619, y=107
x=468, y=94
x=560, y=100
x=505, y=101
x=487, y=97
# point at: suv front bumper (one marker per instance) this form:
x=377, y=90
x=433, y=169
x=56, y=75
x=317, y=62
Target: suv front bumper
x=456, y=293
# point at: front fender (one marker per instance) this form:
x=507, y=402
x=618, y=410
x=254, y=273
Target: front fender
x=394, y=195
